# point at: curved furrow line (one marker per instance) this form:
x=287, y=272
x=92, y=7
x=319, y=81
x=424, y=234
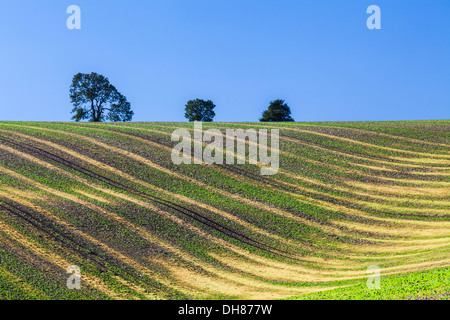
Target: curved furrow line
x=318, y=163
x=130, y=226
x=172, y=205
x=142, y=232
x=183, y=210
x=395, y=255
x=277, y=274
x=62, y=172
x=294, y=156
x=17, y=197
x=200, y=184
x=403, y=227
x=397, y=160
x=367, y=204
x=320, y=194
x=173, y=195
x=382, y=134
x=220, y=274
x=347, y=225
x=70, y=244
x=297, y=141
x=394, y=161
x=13, y=280
x=365, y=144
x=308, y=180
x=55, y=259
x=295, y=268
x=342, y=180
x=53, y=168
x=216, y=168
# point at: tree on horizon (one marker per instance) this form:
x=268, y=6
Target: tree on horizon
x=278, y=111
x=200, y=110
x=96, y=99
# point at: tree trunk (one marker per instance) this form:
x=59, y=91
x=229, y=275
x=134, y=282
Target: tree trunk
x=94, y=117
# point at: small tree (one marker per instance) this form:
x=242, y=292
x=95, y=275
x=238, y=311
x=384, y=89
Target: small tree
x=95, y=99
x=200, y=110
x=278, y=111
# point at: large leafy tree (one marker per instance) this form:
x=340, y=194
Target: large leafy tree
x=278, y=111
x=96, y=100
x=200, y=110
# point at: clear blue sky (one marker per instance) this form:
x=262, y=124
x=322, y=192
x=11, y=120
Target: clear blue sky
x=318, y=55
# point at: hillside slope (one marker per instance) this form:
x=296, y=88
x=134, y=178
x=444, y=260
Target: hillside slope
x=107, y=198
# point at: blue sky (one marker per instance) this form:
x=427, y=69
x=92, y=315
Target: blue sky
x=318, y=55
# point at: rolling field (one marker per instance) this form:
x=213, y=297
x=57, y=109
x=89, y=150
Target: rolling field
x=107, y=198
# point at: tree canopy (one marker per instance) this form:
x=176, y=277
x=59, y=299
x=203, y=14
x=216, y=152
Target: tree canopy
x=96, y=100
x=200, y=110
x=278, y=111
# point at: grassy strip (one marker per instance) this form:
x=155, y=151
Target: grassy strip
x=430, y=284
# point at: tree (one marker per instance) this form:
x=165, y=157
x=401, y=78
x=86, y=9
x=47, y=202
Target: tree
x=95, y=99
x=278, y=111
x=200, y=110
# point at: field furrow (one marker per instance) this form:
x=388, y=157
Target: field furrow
x=109, y=199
